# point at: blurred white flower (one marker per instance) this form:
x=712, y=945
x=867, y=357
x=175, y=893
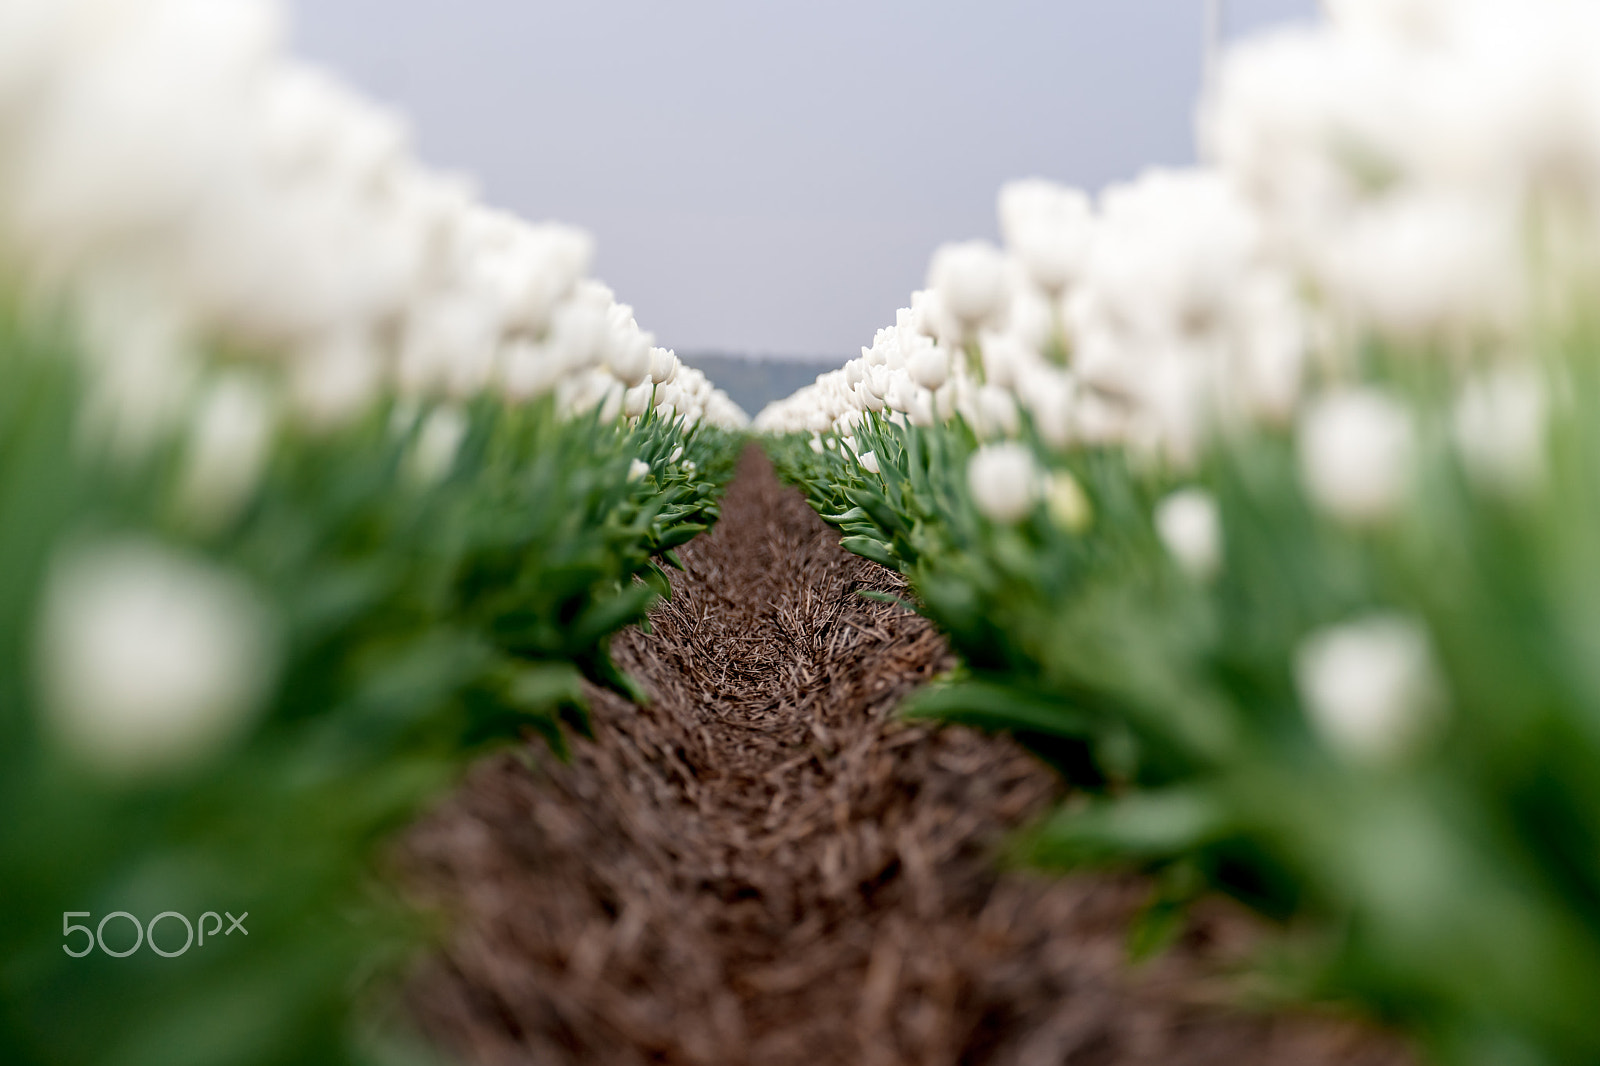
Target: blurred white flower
x=227, y=449
x=449, y=345
x=1423, y=264
x=1050, y=395
x=995, y=411
x=1191, y=529
x=928, y=364
x=141, y=371
x=970, y=280
x=1049, y=229
x=627, y=350
x=335, y=379
x=1370, y=686
x=434, y=453
x=1355, y=449
x=528, y=370
x=1500, y=425
x=150, y=661
x=636, y=401
x=638, y=469
x=1004, y=480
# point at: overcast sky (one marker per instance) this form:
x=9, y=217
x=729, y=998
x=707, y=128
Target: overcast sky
x=770, y=177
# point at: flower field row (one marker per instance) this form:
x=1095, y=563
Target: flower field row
x=1261, y=499
x=317, y=477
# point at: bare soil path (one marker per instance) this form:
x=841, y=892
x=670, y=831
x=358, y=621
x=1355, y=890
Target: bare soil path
x=764, y=866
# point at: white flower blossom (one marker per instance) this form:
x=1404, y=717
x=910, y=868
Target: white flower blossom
x=227, y=449
x=1049, y=228
x=434, y=453
x=1370, y=686
x=150, y=662
x=1005, y=481
x=970, y=281
x=1355, y=449
x=1500, y=422
x=1191, y=529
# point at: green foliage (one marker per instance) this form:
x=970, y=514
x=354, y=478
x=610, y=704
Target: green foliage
x=421, y=623
x=1453, y=888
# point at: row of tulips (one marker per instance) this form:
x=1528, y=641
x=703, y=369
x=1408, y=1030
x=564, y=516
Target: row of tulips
x=1262, y=500
x=317, y=477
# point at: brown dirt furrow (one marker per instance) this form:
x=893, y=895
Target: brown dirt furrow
x=765, y=866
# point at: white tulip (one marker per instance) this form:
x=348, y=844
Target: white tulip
x=611, y=403
x=150, y=662
x=638, y=469
x=1004, y=481
x=627, y=347
x=869, y=460
x=1370, y=686
x=663, y=365
x=902, y=392
x=334, y=379
x=1355, y=450
x=970, y=280
x=1049, y=229
x=996, y=412
x=528, y=370
x=434, y=453
x=636, y=401
x=227, y=449
x=928, y=364
x=1425, y=263
x=1050, y=396
x=1500, y=426
x=868, y=399
x=1191, y=529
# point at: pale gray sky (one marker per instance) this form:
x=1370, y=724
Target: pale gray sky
x=770, y=176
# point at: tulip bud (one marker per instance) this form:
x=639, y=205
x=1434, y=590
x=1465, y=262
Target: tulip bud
x=1370, y=687
x=1004, y=481
x=1191, y=530
x=970, y=280
x=663, y=366
x=228, y=448
x=1355, y=454
x=150, y=661
x=636, y=401
x=434, y=453
x=929, y=365
x=1049, y=229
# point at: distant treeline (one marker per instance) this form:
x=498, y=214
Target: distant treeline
x=753, y=383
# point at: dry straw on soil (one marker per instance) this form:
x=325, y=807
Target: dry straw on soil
x=765, y=866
